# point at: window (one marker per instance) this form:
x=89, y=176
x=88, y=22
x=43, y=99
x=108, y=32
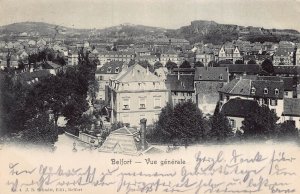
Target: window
x=109, y=70
x=253, y=90
x=274, y=102
x=200, y=76
x=266, y=91
x=221, y=77
x=276, y=91
x=117, y=70
x=142, y=102
x=126, y=104
x=266, y=101
x=232, y=123
x=286, y=93
x=157, y=103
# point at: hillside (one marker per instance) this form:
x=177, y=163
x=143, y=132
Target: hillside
x=197, y=31
x=212, y=32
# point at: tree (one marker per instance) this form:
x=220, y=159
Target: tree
x=220, y=127
x=185, y=120
x=171, y=65
x=213, y=64
x=267, y=66
x=40, y=130
x=146, y=65
x=252, y=61
x=239, y=62
x=157, y=65
x=185, y=64
x=260, y=123
x=287, y=129
x=199, y=64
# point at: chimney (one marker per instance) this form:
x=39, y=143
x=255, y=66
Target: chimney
x=143, y=133
x=178, y=75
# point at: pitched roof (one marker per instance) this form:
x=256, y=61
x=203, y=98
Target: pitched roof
x=239, y=107
x=287, y=81
x=184, y=83
x=113, y=67
x=136, y=73
x=211, y=74
x=242, y=68
x=294, y=70
x=125, y=131
x=291, y=107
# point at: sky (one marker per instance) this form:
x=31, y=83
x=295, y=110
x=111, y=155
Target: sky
x=172, y=14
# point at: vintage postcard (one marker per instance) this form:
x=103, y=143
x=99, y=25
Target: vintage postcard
x=152, y=96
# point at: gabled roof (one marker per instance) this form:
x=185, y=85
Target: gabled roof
x=180, y=83
x=291, y=107
x=136, y=73
x=211, y=74
x=294, y=70
x=239, y=107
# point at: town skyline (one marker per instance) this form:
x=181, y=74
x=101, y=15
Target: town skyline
x=164, y=14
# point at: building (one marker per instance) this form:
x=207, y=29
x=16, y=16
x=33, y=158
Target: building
x=104, y=74
x=292, y=111
x=265, y=92
x=109, y=56
x=230, y=54
x=170, y=55
x=236, y=110
x=181, y=88
x=207, y=82
x=297, y=62
x=204, y=57
x=283, y=57
x=237, y=70
x=136, y=93
x=73, y=58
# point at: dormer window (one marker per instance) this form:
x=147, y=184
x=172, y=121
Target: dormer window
x=266, y=91
x=221, y=77
x=200, y=76
x=109, y=70
x=117, y=70
x=276, y=91
x=253, y=90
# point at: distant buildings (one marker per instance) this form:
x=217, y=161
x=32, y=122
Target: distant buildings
x=230, y=54
x=109, y=56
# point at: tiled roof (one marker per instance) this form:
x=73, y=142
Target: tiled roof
x=211, y=74
x=111, y=67
x=184, y=83
x=271, y=86
x=242, y=68
x=291, y=107
x=239, y=107
x=294, y=70
x=243, y=87
x=136, y=73
x=125, y=131
x=287, y=81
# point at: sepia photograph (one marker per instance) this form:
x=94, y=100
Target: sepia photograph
x=149, y=96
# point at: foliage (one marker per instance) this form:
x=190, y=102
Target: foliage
x=171, y=65
x=287, y=129
x=183, y=121
x=252, y=61
x=267, y=66
x=40, y=130
x=220, y=127
x=157, y=65
x=225, y=62
x=199, y=64
x=146, y=65
x=239, y=62
x=185, y=64
x=260, y=123
x=213, y=64
x=117, y=125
